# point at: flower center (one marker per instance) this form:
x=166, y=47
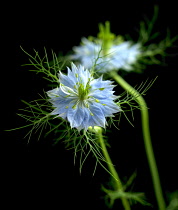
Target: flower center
x=108, y=38
x=83, y=92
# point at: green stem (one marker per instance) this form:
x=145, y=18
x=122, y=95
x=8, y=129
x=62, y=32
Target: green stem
x=118, y=183
x=146, y=136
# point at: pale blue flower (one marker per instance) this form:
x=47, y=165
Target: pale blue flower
x=83, y=100
x=121, y=56
x=87, y=53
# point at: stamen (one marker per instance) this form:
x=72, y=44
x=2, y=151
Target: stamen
x=74, y=106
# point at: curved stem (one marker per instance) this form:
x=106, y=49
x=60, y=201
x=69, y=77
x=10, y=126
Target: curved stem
x=118, y=183
x=146, y=136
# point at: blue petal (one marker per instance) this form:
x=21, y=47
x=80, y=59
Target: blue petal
x=98, y=116
x=75, y=116
x=108, y=108
x=62, y=108
x=54, y=93
x=65, y=80
x=101, y=94
x=72, y=75
x=85, y=123
x=99, y=83
x=63, y=102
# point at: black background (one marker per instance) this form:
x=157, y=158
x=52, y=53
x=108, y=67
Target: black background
x=39, y=174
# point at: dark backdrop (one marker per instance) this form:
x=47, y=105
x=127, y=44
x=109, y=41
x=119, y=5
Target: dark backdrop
x=39, y=174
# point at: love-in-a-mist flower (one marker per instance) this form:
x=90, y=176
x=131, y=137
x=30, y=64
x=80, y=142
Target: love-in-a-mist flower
x=83, y=100
x=117, y=56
